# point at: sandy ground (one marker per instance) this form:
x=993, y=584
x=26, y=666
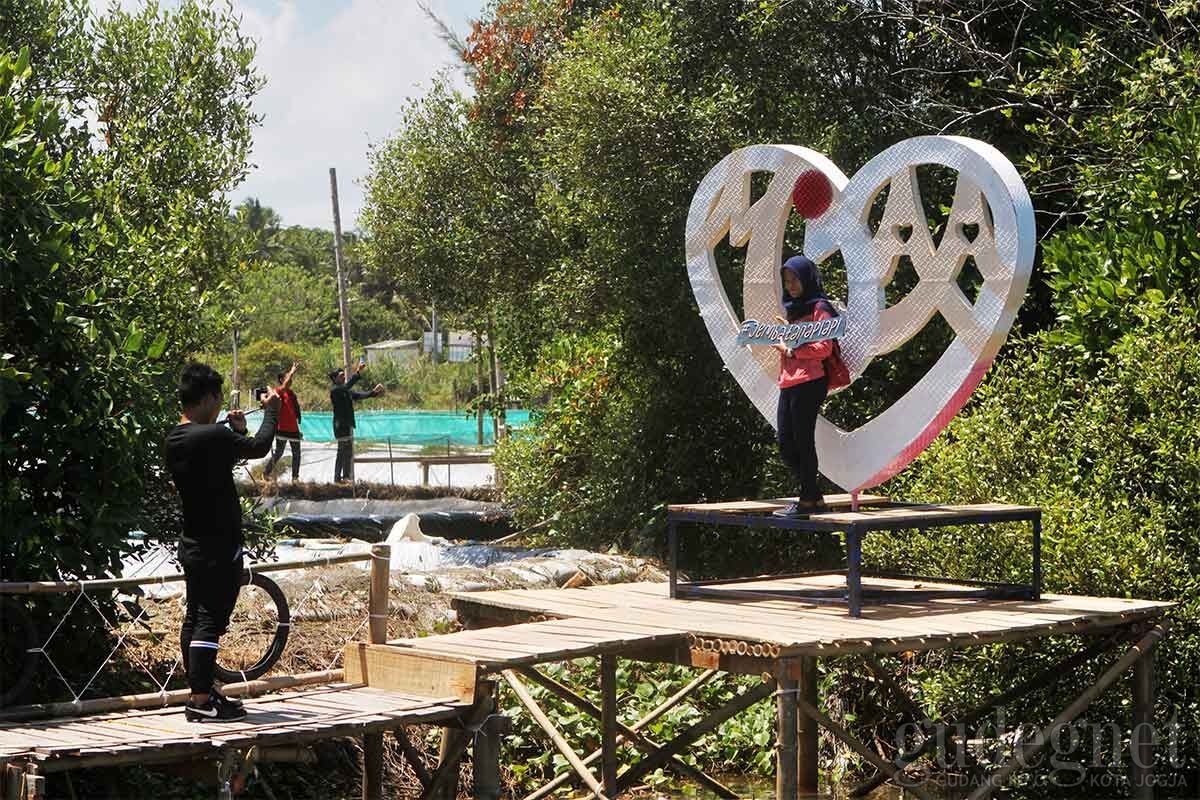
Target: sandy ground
x=317, y=459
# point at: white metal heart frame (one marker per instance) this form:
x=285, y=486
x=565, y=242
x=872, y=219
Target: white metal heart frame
x=989, y=199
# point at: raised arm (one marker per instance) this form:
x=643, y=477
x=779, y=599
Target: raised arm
x=259, y=444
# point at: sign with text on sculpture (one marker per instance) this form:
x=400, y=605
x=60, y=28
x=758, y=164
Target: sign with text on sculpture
x=753, y=332
x=990, y=221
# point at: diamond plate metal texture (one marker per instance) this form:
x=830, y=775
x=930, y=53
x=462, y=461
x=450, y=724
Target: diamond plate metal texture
x=989, y=197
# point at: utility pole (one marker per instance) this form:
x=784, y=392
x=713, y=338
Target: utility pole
x=435, y=337
x=342, y=307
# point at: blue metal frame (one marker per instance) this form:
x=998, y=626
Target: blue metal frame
x=853, y=595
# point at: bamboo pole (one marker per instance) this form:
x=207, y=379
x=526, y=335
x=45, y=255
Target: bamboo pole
x=377, y=604
x=479, y=387
x=837, y=730
x=808, y=746
x=1143, y=648
x=413, y=756
x=343, y=307
x=629, y=734
x=1141, y=737
x=559, y=742
x=785, y=735
x=176, y=697
x=608, y=723
x=714, y=720
x=51, y=587
x=663, y=708
x=378, y=597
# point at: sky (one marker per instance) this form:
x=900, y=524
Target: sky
x=338, y=74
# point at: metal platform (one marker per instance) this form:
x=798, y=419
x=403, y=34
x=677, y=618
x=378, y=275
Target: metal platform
x=874, y=514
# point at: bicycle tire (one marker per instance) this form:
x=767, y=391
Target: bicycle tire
x=278, y=642
x=16, y=623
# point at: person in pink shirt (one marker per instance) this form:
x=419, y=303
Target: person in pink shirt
x=802, y=382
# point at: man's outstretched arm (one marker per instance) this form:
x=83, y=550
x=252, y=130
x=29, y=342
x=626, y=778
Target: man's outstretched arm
x=259, y=444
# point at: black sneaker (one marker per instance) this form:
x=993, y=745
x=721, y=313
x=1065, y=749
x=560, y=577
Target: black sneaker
x=791, y=510
x=220, y=696
x=216, y=709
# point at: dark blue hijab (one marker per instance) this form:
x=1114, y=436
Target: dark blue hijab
x=804, y=269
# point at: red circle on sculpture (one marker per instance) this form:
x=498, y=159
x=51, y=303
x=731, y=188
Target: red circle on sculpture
x=812, y=194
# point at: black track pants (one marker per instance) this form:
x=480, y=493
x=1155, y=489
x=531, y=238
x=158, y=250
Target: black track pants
x=799, y=407
x=212, y=591
x=269, y=467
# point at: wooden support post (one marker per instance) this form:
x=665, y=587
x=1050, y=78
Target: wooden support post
x=608, y=723
x=377, y=602
x=785, y=733
x=372, y=785
x=854, y=744
x=546, y=725
x=807, y=732
x=424, y=473
x=1141, y=738
x=443, y=784
x=485, y=760
x=413, y=757
x=629, y=734
x=631, y=776
x=996, y=778
x=663, y=708
x=377, y=607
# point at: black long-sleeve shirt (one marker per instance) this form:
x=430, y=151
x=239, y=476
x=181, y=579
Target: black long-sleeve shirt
x=342, y=397
x=201, y=459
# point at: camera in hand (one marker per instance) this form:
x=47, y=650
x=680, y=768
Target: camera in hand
x=259, y=393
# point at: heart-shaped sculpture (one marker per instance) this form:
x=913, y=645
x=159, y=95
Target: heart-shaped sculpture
x=991, y=220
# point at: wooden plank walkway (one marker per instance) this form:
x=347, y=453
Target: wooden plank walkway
x=805, y=629
x=834, y=502
x=496, y=649
x=164, y=735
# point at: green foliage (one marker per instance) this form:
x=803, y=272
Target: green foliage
x=69, y=441
x=286, y=291
x=590, y=127
x=262, y=361
x=1111, y=451
x=575, y=459
x=741, y=745
x=420, y=383
x=1145, y=246
x=113, y=235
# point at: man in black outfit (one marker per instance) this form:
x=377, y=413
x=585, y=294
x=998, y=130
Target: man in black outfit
x=342, y=397
x=201, y=456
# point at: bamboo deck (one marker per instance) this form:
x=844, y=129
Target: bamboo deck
x=794, y=628
x=497, y=649
x=164, y=735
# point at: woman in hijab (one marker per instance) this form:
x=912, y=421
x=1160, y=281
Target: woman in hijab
x=802, y=382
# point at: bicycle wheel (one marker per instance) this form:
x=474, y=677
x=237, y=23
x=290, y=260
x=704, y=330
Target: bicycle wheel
x=18, y=661
x=258, y=631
